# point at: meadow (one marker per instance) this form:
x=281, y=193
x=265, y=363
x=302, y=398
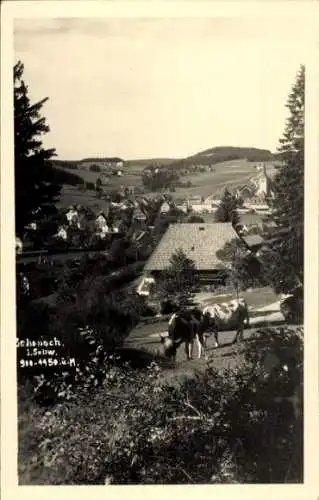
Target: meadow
x=207, y=184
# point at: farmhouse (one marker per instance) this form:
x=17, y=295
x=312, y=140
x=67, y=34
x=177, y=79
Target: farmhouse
x=200, y=243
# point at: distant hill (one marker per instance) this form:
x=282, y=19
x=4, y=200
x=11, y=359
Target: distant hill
x=74, y=163
x=65, y=163
x=209, y=156
x=224, y=153
x=150, y=161
x=102, y=159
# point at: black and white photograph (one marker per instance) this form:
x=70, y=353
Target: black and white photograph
x=159, y=249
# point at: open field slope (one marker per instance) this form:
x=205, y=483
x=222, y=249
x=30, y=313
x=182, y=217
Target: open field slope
x=228, y=174
x=143, y=163
x=73, y=196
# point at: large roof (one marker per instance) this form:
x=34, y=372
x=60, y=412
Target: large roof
x=198, y=241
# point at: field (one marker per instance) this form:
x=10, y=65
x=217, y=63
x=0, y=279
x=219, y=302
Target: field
x=208, y=184
x=73, y=196
x=227, y=174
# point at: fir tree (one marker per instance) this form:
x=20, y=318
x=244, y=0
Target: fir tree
x=284, y=258
x=227, y=210
x=36, y=188
x=179, y=280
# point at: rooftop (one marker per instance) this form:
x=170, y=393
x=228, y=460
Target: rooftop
x=253, y=240
x=198, y=241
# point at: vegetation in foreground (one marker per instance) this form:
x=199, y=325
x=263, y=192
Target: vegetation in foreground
x=236, y=426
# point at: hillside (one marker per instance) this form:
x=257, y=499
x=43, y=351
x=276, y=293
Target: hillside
x=220, y=154
x=144, y=162
x=209, y=156
x=101, y=158
x=232, y=166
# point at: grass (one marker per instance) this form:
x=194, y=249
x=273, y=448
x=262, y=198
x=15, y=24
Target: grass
x=72, y=196
x=258, y=297
x=226, y=174
x=208, y=184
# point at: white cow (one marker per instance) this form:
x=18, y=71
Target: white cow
x=232, y=315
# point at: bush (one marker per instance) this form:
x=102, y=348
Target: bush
x=90, y=317
x=90, y=186
x=195, y=219
x=95, y=168
x=236, y=426
x=148, y=311
x=169, y=307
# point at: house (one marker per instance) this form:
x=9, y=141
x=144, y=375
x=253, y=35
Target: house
x=62, y=233
x=72, y=215
x=102, y=163
x=258, y=208
x=245, y=191
x=101, y=224
x=138, y=215
x=145, y=286
x=249, y=222
x=32, y=226
x=253, y=242
x=203, y=207
x=216, y=202
x=183, y=207
x=200, y=242
x=19, y=245
x=195, y=199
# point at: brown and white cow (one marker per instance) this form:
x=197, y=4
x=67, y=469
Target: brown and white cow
x=232, y=315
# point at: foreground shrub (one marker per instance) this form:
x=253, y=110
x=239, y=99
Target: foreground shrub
x=221, y=427
x=89, y=321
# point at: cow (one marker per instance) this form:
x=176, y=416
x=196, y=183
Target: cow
x=184, y=326
x=226, y=316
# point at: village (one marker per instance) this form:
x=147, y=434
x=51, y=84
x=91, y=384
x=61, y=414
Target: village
x=81, y=227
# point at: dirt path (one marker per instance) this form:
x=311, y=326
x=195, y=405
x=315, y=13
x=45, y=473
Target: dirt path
x=227, y=355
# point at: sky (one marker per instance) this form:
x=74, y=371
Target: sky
x=143, y=88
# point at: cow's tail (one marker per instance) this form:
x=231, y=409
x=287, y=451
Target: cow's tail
x=246, y=316
x=171, y=326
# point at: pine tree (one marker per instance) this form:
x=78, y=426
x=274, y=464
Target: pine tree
x=227, y=210
x=284, y=258
x=179, y=280
x=36, y=188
